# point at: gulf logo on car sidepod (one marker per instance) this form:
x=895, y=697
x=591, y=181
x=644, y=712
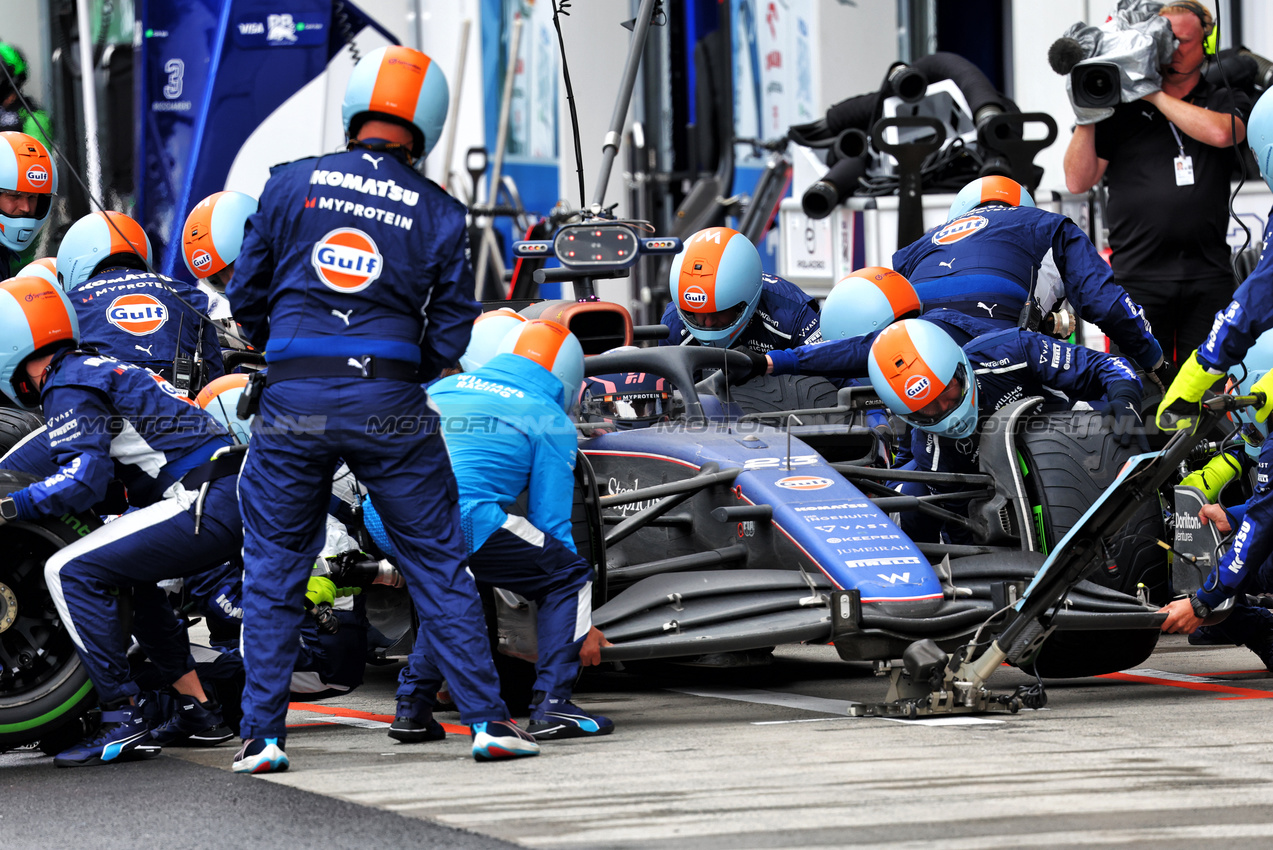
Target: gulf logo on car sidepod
x=347, y=260
x=37, y=175
x=959, y=229
x=803, y=482
x=137, y=314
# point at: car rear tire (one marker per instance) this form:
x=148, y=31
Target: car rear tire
x=16, y=424
x=1070, y=460
x=51, y=688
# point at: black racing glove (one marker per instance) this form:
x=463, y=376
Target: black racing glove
x=1128, y=427
x=759, y=366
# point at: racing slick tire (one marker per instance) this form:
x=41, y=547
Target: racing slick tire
x=16, y=424
x=788, y=392
x=1069, y=459
x=50, y=688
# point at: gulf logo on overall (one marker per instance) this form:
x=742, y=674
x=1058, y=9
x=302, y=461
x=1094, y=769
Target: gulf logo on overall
x=347, y=260
x=137, y=314
x=959, y=229
x=803, y=482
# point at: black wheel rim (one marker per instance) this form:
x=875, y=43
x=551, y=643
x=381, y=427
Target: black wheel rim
x=35, y=647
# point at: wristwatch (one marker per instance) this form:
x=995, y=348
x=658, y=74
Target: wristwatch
x=1201, y=610
x=8, y=509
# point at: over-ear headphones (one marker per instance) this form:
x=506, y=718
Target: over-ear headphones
x=1210, y=35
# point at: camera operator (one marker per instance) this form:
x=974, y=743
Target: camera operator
x=1166, y=161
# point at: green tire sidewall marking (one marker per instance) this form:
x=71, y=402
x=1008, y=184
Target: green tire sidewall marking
x=48, y=715
x=1036, y=509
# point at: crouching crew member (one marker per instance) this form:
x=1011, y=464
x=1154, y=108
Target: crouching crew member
x=721, y=298
x=130, y=313
x=508, y=431
x=354, y=279
x=109, y=419
x=945, y=391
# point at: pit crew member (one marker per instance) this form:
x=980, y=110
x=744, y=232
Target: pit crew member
x=28, y=181
x=720, y=298
x=997, y=251
x=109, y=419
x=210, y=242
x=944, y=391
x=130, y=313
x=508, y=431
x=354, y=279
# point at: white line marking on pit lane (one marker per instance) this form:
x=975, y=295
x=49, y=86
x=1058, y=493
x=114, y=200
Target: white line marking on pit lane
x=1174, y=677
x=820, y=705
x=360, y=722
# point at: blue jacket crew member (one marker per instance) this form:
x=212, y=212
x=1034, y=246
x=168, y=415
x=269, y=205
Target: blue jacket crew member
x=720, y=298
x=861, y=305
x=507, y=432
x=354, y=278
x=997, y=250
x=944, y=391
x=108, y=420
x=1243, y=569
x=28, y=180
x=1233, y=333
x=132, y=314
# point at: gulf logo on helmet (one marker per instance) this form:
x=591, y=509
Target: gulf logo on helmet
x=804, y=482
x=37, y=175
x=958, y=229
x=917, y=387
x=201, y=260
x=694, y=297
x=137, y=314
x=347, y=260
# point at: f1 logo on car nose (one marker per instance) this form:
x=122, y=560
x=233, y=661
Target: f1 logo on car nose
x=347, y=260
x=139, y=315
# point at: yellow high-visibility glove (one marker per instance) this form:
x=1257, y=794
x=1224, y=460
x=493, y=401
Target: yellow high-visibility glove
x=320, y=589
x=1264, y=385
x=1219, y=471
x=1180, y=407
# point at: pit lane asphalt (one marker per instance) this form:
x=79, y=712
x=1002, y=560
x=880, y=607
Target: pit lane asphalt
x=1174, y=754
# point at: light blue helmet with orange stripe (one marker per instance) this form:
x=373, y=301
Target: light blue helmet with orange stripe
x=213, y=232
x=553, y=347
x=489, y=330
x=35, y=317
x=45, y=267
x=716, y=285
x=866, y=301
x=987, y=190
x=402, y=85
x=25, y=166
x=1259, y=135
x=96, y=238
x=924, y=377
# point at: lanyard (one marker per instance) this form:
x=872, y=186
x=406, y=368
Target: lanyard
x=1179, y=142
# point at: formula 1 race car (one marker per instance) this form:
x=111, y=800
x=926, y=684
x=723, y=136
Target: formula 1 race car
x=721, y=532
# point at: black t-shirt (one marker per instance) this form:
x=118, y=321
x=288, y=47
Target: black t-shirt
x=1158, y=230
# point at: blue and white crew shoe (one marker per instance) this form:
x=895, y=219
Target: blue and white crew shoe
x=555, y=719
x=261, y=755
x=123, y=736
x=497, y=740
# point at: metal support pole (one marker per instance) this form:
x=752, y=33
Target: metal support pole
x=88, y=91
x=487, y=242
x=611, y=147
x=448, y=151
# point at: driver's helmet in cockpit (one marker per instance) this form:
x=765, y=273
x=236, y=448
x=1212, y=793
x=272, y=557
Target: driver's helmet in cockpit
x=629, y=400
